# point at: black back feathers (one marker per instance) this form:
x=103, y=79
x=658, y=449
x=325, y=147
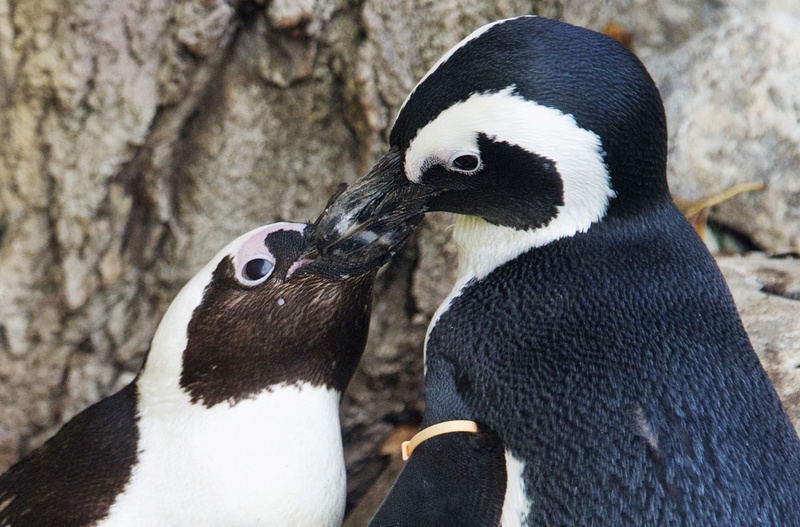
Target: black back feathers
x=74, y=478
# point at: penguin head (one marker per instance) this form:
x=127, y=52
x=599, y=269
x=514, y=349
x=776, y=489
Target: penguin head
x=531, y=129
x=260, y=314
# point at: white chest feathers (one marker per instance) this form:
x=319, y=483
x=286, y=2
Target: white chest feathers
x=517, y=505
x=275, y=460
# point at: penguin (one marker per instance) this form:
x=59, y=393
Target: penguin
x=233, y=419
x=589, y=328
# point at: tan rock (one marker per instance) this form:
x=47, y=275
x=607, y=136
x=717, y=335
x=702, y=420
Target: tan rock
x=767, y=294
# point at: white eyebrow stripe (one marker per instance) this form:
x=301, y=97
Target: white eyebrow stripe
x=505, y=116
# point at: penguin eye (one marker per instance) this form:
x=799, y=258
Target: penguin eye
x=465, y=162
x=256, y=271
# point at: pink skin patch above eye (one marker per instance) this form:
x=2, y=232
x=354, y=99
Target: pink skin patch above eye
x=254, y=246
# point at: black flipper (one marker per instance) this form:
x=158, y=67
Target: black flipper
x=451, y=480
x=73, y=479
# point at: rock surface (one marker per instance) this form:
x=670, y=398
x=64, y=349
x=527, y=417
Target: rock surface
x=767, y=294
x=734, y=112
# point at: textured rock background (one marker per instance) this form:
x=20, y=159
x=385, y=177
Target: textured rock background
x=767, y=293
x=735, y=118
x=138, y=136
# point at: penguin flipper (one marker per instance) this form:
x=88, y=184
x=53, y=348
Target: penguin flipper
x=73, y=479
x=450, y=480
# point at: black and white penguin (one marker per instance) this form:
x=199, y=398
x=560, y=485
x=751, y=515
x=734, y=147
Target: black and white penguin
x=589, y=327
x=234, y=418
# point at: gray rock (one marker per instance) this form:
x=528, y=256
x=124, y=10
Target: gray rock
x=767, y=294
x=733, y=109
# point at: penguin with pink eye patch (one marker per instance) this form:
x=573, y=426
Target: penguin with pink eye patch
x=233, y=419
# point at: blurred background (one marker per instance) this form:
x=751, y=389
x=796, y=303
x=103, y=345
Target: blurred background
x=139, y=136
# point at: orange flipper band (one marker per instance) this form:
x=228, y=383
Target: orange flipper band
x=435, y=430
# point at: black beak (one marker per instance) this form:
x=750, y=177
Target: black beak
x=368, y=222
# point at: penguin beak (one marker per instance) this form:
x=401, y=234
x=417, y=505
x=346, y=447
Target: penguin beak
x=367, y=223
x=296, y=266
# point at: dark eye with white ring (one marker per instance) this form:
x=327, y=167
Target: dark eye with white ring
x=256, y=271
x=465, y=162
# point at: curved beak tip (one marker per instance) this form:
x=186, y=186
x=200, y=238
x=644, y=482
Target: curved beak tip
x=364, y=224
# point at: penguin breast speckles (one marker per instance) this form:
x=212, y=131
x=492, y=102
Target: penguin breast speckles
x=271, y=460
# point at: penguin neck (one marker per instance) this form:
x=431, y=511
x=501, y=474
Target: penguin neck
x=158, y=384
x=484, y=246
x=159, y=380
x=203, y=455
